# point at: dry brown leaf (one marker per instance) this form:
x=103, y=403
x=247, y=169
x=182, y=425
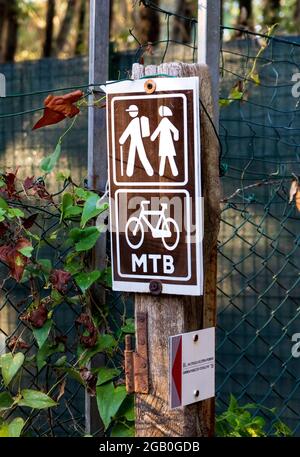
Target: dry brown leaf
x=293, y=189
x=62, y=389
x=297, y=199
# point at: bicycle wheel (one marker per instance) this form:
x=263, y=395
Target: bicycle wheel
x=134, y=233
x=170, y=243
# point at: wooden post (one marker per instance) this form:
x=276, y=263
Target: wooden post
x=169, y=315
x=97, y=157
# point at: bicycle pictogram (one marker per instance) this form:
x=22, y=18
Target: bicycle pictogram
x=166, y=228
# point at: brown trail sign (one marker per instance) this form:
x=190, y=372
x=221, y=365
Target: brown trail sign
x=155, y=185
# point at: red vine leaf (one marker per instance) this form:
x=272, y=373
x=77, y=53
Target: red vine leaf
x=89, y=379
x=90, y=340
x=29, y=221
x=37, y=187
x=37, y=316
x=3, y=228
x=60, y=279
x=59, y=107
x=17, y=343
x=14, y=259
x=28, y=183
x=10, y=181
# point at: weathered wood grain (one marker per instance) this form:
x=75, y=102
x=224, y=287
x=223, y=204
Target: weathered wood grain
x=169, y=315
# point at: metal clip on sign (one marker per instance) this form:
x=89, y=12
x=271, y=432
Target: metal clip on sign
x=136, y=362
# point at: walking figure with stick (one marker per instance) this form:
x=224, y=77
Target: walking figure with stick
x=137, y=129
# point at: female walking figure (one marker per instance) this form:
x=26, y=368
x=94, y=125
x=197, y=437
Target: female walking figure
x=167, y=133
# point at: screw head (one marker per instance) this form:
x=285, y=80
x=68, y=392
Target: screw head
x=155, y=287
x=150, y=86
x=196, y=338
x=196, y=393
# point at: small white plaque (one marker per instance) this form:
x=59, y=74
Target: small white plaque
x=192, y=367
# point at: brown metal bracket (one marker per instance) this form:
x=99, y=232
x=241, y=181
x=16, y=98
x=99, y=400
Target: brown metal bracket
x=136, y=362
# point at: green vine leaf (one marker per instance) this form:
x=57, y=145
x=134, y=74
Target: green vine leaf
x=127, y=409
x=109, y=400
x=26, y=251
x=105, y=343
x=6, y=401
x=46, y=351
x=13, y=429
x=92, y=209
x=84, y=239
x=41, y=334
x=85, y=280
x=107, y=374
x=10, y=365
x=3, y=204
x=35, y=399
x=49, y=162
x=122, y=430
x=129, y=326
x=67, y=207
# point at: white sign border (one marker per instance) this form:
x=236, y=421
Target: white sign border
x=162, y=84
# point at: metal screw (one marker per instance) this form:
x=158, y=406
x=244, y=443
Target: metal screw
x=196, y=393
x=155, y=287
x=195, y=338
x=150, y=86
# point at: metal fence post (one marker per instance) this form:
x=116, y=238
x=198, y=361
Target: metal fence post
x=97, y=156
x=209, y=16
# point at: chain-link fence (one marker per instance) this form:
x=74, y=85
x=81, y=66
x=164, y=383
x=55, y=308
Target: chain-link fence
x=258, y=280
x=258, y=268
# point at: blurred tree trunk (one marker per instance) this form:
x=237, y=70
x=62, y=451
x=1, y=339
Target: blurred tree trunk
x=79, y=45
x=297, y=15
x=271, y=10
x=3, y=11
x=245, y=14
x=182, y=29
x=222, y=12
x=11, y=25
x=63, y=34
x=48, y=42
x=147, y=25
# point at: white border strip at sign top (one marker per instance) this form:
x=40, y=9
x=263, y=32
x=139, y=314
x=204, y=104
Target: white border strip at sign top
x=163, y=84
x=149, y=183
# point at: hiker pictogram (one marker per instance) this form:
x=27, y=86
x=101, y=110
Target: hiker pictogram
x=136, y=130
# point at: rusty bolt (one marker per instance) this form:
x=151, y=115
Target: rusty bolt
x=155, y=287
x=195, y=338
x=196, y=393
